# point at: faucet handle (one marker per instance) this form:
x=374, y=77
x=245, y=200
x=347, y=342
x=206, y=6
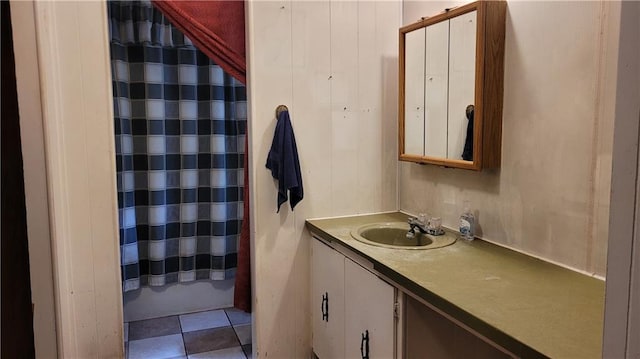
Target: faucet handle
x=422, y=218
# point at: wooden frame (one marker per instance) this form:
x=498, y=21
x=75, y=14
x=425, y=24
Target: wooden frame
x=489, y=84
x=77, y=118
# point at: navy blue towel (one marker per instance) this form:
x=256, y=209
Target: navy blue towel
x=283, y=162
x=467, y=152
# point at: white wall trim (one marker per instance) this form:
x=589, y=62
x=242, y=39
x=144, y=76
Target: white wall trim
x=31, y=133
x=57, y=205
x=80, y=152
x=624, y=218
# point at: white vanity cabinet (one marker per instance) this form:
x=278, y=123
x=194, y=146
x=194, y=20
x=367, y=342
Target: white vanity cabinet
x=353, y=311
x=369, y=314
x=327, y=301
x=504, y=305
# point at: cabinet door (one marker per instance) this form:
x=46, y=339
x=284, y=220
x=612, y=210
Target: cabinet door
x=428, y=334
x=435, y=89
x=462, y=80
x=327, y=312
x=369, y=305
x=414, y=93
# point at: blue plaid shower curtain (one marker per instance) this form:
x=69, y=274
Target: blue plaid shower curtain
x=180, y=125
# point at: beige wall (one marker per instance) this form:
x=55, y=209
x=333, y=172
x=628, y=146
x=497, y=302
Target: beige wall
x=551, y=196
x=334, y=64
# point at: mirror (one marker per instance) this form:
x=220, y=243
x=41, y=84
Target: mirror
x=449, y=63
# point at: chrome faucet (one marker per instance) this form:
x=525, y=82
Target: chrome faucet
x=425, y=226
x=419, y=222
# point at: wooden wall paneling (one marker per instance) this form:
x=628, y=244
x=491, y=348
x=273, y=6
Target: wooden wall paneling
x=311, y=50
x=344, y=107
x=388, y=19
x=369, y=134
x=311, y=101
x=306, y=55
x=270, y=84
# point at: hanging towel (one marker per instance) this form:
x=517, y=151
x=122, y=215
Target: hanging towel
x=283, y=162
x=467, y=152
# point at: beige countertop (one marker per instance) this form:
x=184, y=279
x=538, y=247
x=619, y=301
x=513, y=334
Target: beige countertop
x=530, y=307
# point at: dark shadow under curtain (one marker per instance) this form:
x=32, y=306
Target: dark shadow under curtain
x=180, y=124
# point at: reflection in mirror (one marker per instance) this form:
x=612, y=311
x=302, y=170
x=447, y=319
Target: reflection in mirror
x=462, y=79
x=467, y=153
x=436, y=90
x=451, y=85
x=439, y=85
x=414, y=92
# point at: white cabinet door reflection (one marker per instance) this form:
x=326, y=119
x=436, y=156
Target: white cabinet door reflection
x=414, y=93
x=436, y=83
x=440, y=77
x=462, y=79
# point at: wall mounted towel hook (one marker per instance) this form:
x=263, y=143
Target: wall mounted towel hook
x=279, y=109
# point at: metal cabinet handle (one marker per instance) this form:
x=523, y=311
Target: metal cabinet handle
x=325, y=307
x=364, y=345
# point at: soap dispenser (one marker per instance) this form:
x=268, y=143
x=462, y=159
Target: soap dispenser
x=467, y=222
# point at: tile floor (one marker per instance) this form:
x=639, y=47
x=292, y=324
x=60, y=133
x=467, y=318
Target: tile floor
x=224, y=333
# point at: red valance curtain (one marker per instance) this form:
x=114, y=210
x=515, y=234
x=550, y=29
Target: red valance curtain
x=217, y=29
